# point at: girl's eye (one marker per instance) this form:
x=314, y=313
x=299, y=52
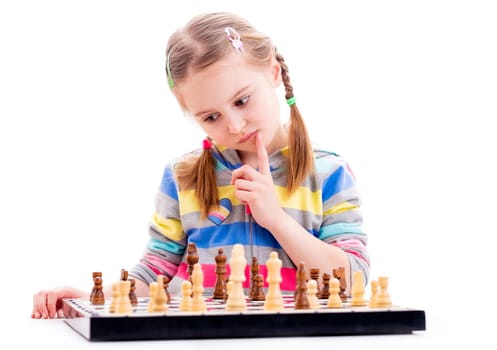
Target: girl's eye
x=211, y=117
x=243, y=101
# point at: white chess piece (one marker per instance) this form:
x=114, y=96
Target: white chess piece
x=236, y=297
x=274, y=299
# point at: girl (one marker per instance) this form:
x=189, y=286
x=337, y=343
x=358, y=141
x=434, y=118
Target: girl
x=256, y=181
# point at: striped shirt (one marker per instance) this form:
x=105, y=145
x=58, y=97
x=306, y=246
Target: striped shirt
x=327, y=205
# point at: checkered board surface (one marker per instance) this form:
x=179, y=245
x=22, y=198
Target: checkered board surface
x=96, y=323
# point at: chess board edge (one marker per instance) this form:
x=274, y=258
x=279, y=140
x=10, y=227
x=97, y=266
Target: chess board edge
x=176, y=325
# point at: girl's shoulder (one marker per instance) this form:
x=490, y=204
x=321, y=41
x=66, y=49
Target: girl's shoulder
x=327, y=161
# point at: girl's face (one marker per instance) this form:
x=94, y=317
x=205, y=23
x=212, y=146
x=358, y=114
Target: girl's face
x=233, y=100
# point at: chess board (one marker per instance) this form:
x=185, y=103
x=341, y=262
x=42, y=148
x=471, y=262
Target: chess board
x=96, y=323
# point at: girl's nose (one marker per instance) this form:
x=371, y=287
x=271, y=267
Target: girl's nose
x=235, y=123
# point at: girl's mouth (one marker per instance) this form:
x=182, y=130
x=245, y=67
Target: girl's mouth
x=247, y=137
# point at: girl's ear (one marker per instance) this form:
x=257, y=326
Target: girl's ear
x=276, y=72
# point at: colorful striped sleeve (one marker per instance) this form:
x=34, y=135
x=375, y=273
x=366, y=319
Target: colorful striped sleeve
x=167, y=243
x=342, y=217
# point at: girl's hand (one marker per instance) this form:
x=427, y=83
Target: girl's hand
x=256, y=188
x=49, y=303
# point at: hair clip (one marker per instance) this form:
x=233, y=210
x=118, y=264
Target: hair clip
x=234, y=37
x=206, y=144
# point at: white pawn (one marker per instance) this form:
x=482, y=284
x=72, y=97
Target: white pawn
x=186, y=299
x=374, y=294
x=312, y=290
x=115, y=296
x=334, y=300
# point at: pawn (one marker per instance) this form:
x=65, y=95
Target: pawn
x=334, y=300
x=166, y=288
x=314, y=273
x=97, y=294
x=325, y=291
x=152, y=291
x=254, y=269
x=132, y=294
x=339, y=274
x=312, y=290
x=186, y=299
x=115, y=296
x=383, y=298
x=258, y=291
x=374, y=294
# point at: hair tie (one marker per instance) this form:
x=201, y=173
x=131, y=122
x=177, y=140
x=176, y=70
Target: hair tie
x=291, y=101
x=206, y=144
x=234, y=37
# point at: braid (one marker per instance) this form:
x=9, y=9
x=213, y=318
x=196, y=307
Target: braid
x=301, y=158
x=285, y=77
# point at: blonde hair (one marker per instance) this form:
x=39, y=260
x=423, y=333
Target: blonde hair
x=203, y=42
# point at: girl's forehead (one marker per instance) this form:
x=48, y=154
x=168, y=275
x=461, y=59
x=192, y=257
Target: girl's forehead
x=217, y=83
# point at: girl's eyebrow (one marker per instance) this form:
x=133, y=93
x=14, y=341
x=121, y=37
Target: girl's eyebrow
x=238, y=92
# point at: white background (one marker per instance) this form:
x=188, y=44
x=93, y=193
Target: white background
x=404, y=90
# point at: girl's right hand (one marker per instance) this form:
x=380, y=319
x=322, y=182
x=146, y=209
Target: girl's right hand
x=49, y=303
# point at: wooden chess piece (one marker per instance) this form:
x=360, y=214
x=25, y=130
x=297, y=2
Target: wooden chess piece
x=132, y=293
x=236, y=297
x=374, y=294
x=383, y=298
x=220, y=287
x=115, y=296
x=186, y=296
x=301, y=298
x=152, y=291
x=258, y=293
x=191, y=258
x=158, y=298
x=198, y=302
x=334, y=300
x=314, y=273
x=124, y=275
x=123, y=304
x=358, y=289
x=274, y=299
x=254, y=269
x=339, y=274
x=325, y=291
x=94, y=275
x=98, y=294
x=166, y=281
x=312, y=290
